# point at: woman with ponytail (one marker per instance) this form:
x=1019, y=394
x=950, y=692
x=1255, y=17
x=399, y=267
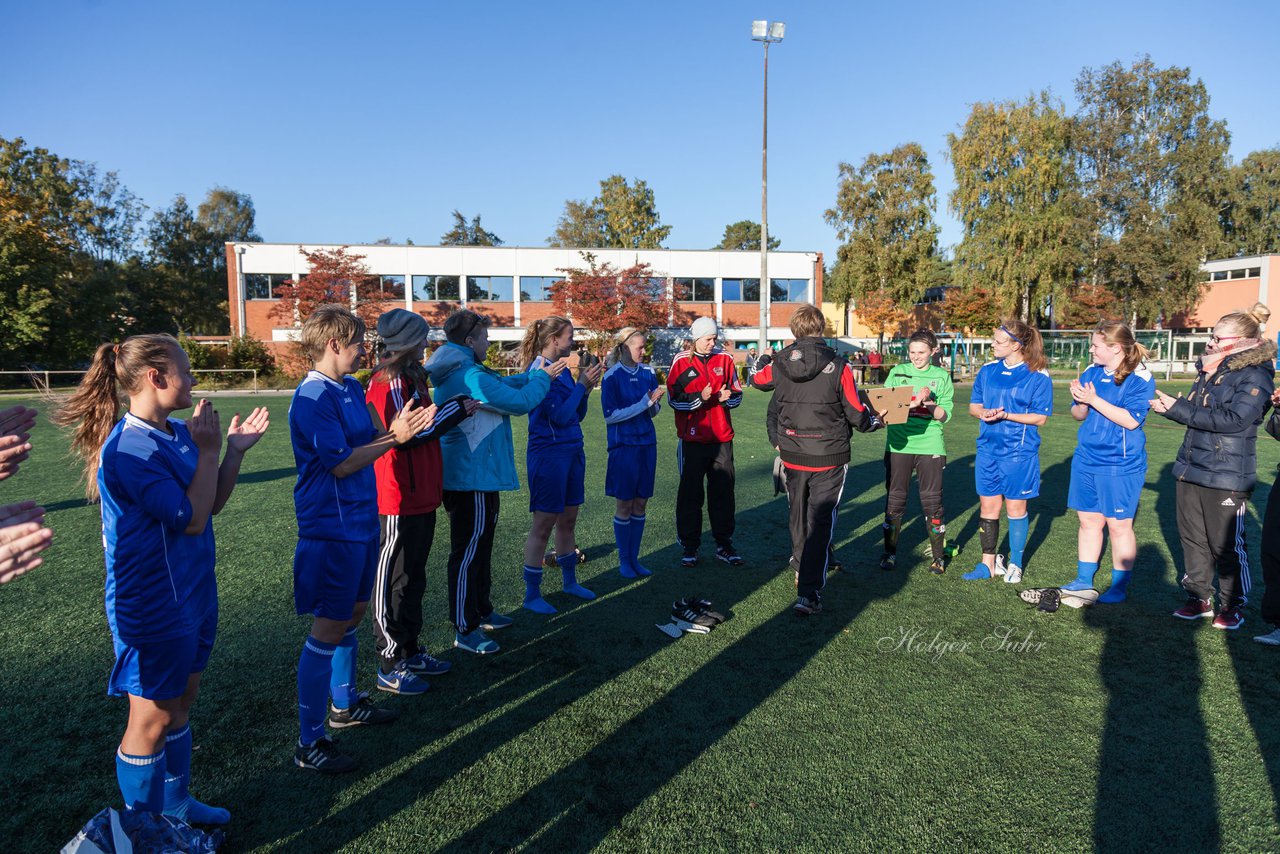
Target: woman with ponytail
x=1111, y=399
x=159, y=481
x=1012, y=397
x=1216, y=468
x=630, y=394
x=556, y=464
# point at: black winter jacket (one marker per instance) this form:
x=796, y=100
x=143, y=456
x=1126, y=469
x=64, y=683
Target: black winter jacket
x=816, y=405
x=1222, y=413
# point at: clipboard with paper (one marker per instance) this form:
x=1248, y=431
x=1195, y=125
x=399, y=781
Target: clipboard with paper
x=895, y=402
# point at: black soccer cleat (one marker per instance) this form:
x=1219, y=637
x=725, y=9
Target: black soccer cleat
x=323, y=756
x=702, y=606
x=681, y=610
x=729, y=555
x=362, y=712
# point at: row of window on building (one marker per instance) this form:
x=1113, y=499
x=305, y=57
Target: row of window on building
x=538, y=288
x=1238, y=273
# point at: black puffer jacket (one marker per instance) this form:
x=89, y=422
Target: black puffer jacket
x=815, y=406
x=1222, y=413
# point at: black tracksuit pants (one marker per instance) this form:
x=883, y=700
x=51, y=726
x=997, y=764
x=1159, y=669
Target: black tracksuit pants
x=473, y=518
x=1211, y=528
x=1271, y=558
x=814, y=498
x=929, y=469
x=711, y=462
x=404, y=544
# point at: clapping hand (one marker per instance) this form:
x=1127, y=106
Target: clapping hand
x=1083, y=393
x=657, y=393
x=1162, y=402
x=15, y=429
x=556, y=368
x=993, y=415
x=588, y=377
x=410, y=421
x=22, y=538
x=243, y=435
x=205, y=427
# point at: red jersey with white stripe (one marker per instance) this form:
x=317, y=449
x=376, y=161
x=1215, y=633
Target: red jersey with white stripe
x=699, y=420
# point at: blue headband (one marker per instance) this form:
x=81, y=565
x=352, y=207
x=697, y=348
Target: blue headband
x=1006, y=331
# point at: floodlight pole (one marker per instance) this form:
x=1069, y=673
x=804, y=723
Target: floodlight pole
x=765, y=32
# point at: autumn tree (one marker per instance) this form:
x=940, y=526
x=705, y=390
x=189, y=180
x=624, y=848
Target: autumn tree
x=745, y=235
x=884, y=219
x=1017, y=197
x=622, y=216
x=1153, y=168
x=1089, y=304
x=333, y=276
x=1251, y=217
x=973, y=308
x=602, y=299
x=881, y=314
x=466, y=233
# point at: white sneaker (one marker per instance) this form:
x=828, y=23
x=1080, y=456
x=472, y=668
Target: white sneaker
x=999, y=569
x=1013, y=574
x=1270, y=639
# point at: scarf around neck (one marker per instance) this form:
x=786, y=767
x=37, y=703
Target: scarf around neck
x=1210, y=362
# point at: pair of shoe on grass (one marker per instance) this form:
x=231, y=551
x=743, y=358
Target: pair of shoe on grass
x=1048, y=599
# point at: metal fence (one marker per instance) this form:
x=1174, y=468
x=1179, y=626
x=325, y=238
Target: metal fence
x=43, y=379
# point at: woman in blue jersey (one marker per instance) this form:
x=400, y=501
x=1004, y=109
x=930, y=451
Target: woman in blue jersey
x=630, y=394
x=160, y=481
x=1012, y=397
x=556, y=465
x=1111, y=398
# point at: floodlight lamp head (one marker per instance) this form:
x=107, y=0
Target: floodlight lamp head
x=776, y=31
x=759, y=30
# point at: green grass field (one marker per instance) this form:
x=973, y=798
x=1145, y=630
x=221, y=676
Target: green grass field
x=916, y=713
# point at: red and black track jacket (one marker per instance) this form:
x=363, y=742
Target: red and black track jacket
x=699, y=420
x=816, y=405
x=409, y=476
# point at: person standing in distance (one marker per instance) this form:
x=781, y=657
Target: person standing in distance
x=815, y=408
x=1217, y=465
x=703, y=388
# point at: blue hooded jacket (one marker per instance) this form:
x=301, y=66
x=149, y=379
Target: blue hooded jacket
x=478, y=454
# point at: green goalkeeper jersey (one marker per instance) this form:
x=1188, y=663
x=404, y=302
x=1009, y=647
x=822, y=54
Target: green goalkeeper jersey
x=921, y=433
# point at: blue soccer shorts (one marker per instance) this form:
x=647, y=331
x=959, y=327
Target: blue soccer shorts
x=159, y=670
x=556, y=481
x=631, y=472
x=1017, y=479
x=1108, y=491
x=331, y=576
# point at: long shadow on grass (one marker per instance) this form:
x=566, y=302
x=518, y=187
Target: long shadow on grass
x=1156, y=788
x=589, y=797
x=547, y=667
x=1050, y=507
x=1254, y=668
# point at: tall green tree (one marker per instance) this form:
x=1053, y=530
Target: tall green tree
x=466, y=233
x=1017, y=197
x=184, y=255
x=1153, y=167
x=745, y=235
x=622, y=216
x=1251, y=219
x=884, y=219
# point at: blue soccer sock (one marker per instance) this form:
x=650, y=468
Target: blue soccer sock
x=622, y=536
x=637, y=532
x=1119, y=589
x=1085, y=572
x=342, y=684
x=569, y=572
x=141, y=780
x=315, y=669
x=1018, y=529
x=178, y=801
x=979, y=572
x=533, y=591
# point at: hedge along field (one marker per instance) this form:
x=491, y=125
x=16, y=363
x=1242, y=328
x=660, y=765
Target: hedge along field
x=917, y=712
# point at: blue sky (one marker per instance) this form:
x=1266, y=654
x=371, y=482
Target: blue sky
x=350, y=122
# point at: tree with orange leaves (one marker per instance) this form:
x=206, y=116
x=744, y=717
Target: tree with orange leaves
x=602, y=299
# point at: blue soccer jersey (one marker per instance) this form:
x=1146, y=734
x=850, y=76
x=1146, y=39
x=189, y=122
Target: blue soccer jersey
x=1017, y=390
x=160, y=581
x=555, y=423
x=1102, y=442
x=628, y=415
x=327, y=419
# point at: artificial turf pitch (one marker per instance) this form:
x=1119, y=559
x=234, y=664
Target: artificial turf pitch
x=916, y=713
